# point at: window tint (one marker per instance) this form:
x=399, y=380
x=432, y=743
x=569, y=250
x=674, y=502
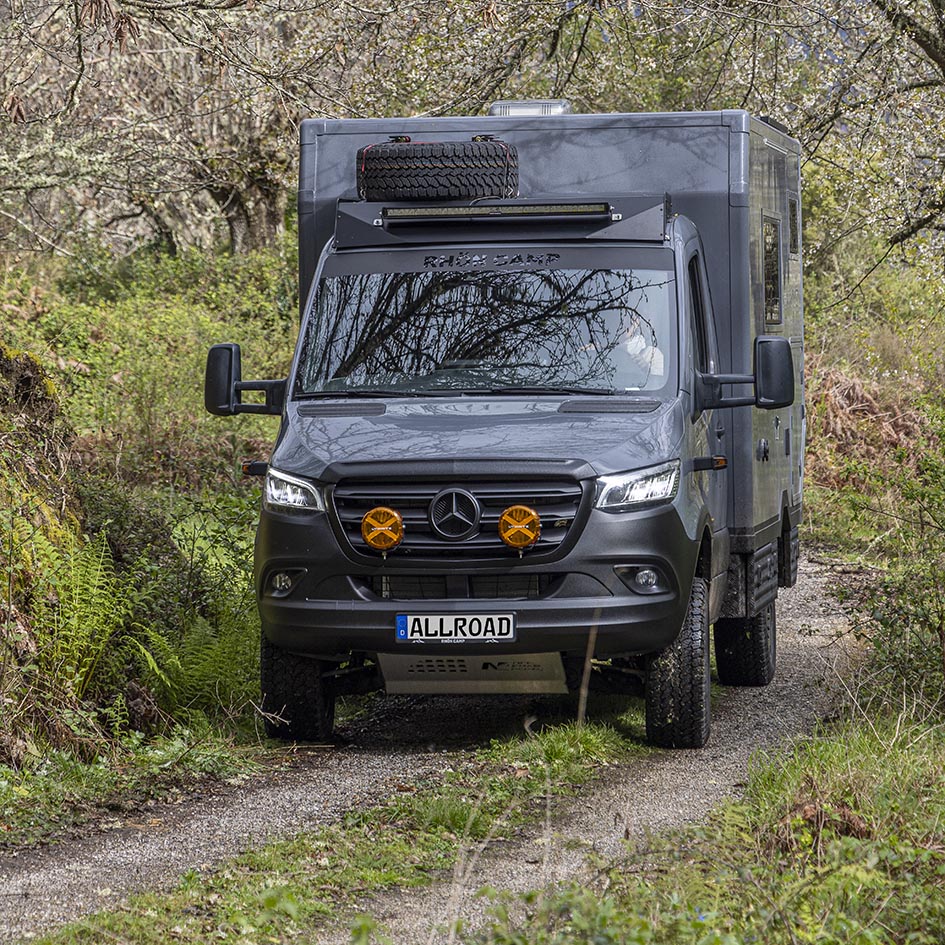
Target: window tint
x=771, y=238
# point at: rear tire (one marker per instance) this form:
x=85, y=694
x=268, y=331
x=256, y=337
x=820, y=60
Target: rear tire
x=746, y=649
x=295, y=689
x=677, y=681
x=454, y=170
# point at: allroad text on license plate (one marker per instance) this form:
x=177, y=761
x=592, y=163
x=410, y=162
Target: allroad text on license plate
x=455, y=628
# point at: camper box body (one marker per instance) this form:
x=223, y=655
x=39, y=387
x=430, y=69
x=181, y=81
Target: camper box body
x=737, y=178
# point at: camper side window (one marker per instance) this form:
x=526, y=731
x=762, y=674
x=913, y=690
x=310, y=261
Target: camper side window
x=771, y=240
x=794, y=227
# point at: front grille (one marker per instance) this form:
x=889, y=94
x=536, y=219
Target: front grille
x=556, y=501
x=462, y=587
x=409, y=587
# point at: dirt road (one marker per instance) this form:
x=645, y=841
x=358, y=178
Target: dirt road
x=413, y=740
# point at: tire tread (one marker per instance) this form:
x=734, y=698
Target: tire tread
x=443, y=171
x=677, y=681
x=294, y=688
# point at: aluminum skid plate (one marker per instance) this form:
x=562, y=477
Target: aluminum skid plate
x=472, y=674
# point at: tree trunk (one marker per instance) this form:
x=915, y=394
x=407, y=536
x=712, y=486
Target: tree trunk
x=233, y=207
x=267, y=205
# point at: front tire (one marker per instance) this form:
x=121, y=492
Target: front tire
x=297, y=697
x=746, y=649
x=677, y=681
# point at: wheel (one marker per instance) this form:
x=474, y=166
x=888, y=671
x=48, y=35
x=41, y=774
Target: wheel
x=746, y=649
x=454, y=170
x=677, y=681
x=295, y=689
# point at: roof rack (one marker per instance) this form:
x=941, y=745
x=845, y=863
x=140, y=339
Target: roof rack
x=631, y=217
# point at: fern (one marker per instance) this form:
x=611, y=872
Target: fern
x=82, y=608
x=161, y=663
x=220, y=662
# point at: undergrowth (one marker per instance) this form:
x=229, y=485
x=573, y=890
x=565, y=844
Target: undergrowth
x=56, y=792
x=841, y=841
x=120, y=615
x=127, y=340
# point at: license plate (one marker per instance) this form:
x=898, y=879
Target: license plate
x=455, y=628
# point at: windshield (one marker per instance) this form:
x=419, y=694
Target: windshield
x=599, y=330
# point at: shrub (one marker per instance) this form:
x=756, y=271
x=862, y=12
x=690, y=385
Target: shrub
x=904, y=611
x=128, y=342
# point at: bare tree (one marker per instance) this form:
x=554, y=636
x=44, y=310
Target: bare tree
x=163, y=118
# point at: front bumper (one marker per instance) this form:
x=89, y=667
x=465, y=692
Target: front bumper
x=336, y=605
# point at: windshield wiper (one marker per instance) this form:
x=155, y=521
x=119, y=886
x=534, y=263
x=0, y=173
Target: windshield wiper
x=374, y=392
x=602, y=391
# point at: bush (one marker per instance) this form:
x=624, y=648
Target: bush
x=127, y=341
x=903, y=612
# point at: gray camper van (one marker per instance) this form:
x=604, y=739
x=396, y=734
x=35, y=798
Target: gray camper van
x=545, y=409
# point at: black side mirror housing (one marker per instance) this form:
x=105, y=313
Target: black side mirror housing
x=224, y=385
x=773, y=379
x=224, y=373
x=774, y=372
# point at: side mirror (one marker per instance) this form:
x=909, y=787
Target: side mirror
x=224, y=385
x=774, y=372
x=773, y=380
x=224, y=373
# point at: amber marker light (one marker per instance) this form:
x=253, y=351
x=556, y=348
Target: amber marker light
x=382, y=528
x=519, y=527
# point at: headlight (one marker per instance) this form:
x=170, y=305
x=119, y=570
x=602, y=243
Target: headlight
x=633, y=490
x=285, y=493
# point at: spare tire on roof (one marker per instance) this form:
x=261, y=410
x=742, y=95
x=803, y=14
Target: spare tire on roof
x=449, y=170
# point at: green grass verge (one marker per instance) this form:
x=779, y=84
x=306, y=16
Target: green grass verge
x=283, y=891
x=841, y=841
x=56, y=792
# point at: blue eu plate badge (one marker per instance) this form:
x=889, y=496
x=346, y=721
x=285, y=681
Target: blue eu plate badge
x=401, y=626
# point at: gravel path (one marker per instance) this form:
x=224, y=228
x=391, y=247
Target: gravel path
x=649, y=794
x=409, y=740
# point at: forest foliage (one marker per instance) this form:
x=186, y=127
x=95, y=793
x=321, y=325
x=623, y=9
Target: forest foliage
x=147, y=162
x=146, y=188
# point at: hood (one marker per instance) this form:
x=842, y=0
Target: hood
x=330, y=439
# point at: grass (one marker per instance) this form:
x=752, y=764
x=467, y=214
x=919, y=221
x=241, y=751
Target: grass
x=286, y=889
x=841, y=841
x=56, y=792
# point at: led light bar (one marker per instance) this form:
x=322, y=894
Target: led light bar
x=579, y=212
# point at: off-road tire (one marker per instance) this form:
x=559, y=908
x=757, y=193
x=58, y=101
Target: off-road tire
x=746, y=649
x=677, y=681
x=295, y=689
x=454, y=170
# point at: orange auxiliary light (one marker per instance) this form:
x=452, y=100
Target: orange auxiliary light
x=382, y=528
x=519, y=527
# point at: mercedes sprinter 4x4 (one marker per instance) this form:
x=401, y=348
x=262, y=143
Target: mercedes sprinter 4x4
x=545, y=412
